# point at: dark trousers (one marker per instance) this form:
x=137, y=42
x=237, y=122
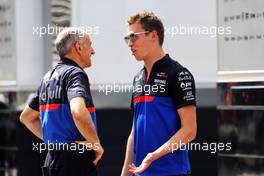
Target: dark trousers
x=69, y=163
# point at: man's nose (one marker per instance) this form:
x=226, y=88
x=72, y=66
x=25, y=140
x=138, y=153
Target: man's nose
x=93, y=51
x=129, y=43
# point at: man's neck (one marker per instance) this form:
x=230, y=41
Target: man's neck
x=74, y=58
x=152, y=58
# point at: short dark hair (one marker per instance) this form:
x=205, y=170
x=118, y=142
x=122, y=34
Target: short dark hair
x=149, y=22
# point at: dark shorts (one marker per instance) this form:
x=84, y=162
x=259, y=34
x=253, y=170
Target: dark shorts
x=69, y=163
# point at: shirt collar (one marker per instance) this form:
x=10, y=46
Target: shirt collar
x=160, y=61
x=69, y=61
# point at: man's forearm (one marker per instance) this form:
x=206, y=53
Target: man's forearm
x=30, y=118
x=129, y=159
x=35, y=127
x=83, y=120
x=183, y=136
x=86, y=128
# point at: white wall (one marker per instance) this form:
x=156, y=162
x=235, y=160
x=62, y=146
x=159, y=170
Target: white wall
x=241, y=54
x=29, y=47
x=7, y=43
x=113, y=61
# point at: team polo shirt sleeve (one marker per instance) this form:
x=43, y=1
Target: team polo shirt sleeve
x=183, y=88
x=77, y=86
x=34, y=102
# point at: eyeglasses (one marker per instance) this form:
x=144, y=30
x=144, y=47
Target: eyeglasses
x=134, y=36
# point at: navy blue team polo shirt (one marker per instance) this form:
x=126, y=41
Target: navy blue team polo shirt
x=170, y=86
x=63, y=82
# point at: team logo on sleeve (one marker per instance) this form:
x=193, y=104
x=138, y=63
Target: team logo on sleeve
x=189, y=96
x=186, y=86
x=184, y=76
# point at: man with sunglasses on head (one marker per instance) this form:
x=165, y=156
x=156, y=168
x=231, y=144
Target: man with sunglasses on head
x=164, y=117
x=62, y=113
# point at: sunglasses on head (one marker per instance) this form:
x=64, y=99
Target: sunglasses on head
x=134, y=36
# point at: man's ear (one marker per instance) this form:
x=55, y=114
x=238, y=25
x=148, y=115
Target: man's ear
x=77, y=47
x=154, y=35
